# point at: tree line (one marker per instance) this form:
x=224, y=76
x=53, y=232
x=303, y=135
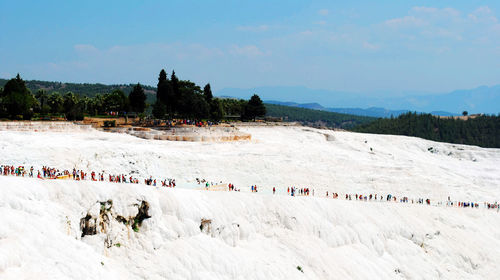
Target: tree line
x=84, y=89
x=316, y=118
x=483, y=130
x=17, y=102
x=174, y=99
x=184, y=99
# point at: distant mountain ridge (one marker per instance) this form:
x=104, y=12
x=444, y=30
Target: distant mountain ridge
x=368, y=112
x=478, y=100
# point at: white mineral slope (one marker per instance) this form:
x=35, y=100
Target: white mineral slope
x=280, y=157
x=252, y=236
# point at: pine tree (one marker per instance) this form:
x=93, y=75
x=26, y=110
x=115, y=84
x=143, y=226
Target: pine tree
x=162, y=77
x=137, y=99
x=207, y=92
x=176, y=92
x=254, y=108
x=161, y=94
x=17, y=100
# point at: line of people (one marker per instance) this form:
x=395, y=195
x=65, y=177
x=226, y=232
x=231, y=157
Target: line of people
x=53, y=173
x=293, y=191
x=16, y=171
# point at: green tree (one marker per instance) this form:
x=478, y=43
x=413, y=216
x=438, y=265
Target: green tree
x=200, y=107
x=165, y=94
x=137, y=99
x=69, y=101
x=95, y=105
x=176, y=92
x=17, y=100
x=116, y=101
x=163, y=76
x=233, y=106
x=191, y=102
x=207, y=92
x=55, y=102
x=159, y=110
x=216, y=110
x=85, y=101
x=161, y=93
x=255, y=108
x=43, y=100
x=73, y=107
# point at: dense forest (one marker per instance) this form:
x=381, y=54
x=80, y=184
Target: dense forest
x=85, y=89
x=316, y=118
x=481, y=130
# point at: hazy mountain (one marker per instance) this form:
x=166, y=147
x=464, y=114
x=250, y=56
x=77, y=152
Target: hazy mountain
x=369, y=112
x=479, y=100
x=299, y=95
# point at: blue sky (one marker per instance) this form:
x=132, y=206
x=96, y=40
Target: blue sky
x=369, y=47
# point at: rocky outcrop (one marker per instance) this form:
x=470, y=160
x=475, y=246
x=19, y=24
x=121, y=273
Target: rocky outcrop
x=102, y=223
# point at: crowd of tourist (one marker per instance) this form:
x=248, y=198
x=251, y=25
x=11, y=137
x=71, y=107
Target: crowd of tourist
x=79, y=175
x=293, y=191
x=47, y=172
x=181, y=122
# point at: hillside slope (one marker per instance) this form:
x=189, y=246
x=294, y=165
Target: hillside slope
x=276, y=157
x=249, y=235
x=317, y=118
x=480, y=130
